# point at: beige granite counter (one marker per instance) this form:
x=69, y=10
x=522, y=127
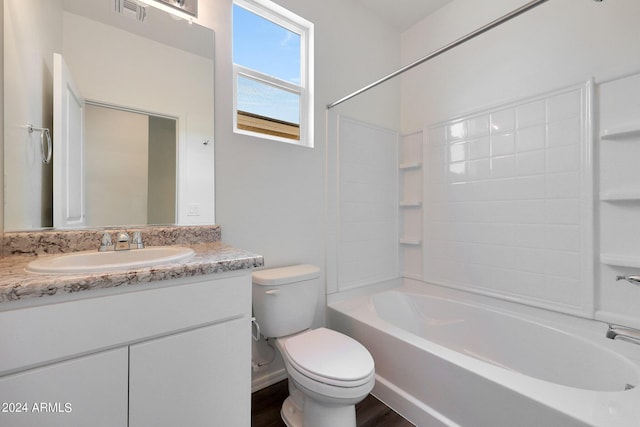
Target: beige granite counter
x=210, y=257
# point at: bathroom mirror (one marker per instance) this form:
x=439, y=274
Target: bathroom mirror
x=127, y=57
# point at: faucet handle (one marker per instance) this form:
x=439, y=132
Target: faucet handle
x=105, y=242
x=136, y=241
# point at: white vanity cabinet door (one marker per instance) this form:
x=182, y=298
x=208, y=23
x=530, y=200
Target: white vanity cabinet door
x=87, y=391
x=197, y=378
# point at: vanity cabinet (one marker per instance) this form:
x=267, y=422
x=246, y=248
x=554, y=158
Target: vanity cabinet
x=169, y=353
x=198, y=375
x=86, y=391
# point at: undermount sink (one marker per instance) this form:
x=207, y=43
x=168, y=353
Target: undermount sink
x=94, y=261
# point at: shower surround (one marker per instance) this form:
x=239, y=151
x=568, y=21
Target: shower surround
x=508, y=201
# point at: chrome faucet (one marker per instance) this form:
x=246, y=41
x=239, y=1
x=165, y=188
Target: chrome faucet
x=623, y=333
x=633, y=279
x=122, y=241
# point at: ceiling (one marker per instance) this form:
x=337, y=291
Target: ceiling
x=402, y=14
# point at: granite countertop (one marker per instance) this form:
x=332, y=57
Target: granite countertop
x=212, y=257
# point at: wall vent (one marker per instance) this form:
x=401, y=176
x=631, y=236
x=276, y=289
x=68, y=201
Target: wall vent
x=130, y=9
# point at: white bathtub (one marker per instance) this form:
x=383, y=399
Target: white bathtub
x=446, y=358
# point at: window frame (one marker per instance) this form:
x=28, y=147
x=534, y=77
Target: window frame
x=294, y=23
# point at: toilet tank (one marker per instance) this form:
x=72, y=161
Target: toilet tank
x=285, y=299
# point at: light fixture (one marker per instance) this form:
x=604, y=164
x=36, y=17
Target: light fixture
x=185, y=9
x=130, y=9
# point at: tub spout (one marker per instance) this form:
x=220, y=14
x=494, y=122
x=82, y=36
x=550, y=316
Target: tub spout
x=623, y=333
x=634, y=279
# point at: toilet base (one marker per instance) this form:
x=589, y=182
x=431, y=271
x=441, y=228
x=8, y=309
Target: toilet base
x=316, y=414
x=315, y=403
x=291, y=414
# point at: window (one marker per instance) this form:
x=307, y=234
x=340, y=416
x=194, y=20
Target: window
x=272, y=72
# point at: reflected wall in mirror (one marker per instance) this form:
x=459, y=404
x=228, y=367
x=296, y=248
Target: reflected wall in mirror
x=133, y=159
x=162, y=66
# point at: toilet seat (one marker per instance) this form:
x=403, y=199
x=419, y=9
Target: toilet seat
x=329, y=357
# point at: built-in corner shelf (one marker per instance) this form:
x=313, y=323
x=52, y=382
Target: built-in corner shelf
x=618, y=134
x=410, y=242
x=411, y=204
x=412, y=165
x=620, y=196
x=620, y=260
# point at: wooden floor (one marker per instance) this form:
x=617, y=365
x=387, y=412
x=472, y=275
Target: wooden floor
x=266, y=404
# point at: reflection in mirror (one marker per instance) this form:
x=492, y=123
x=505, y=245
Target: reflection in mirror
x=133, y=156
x=162, y=66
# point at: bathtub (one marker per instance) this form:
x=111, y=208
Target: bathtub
x=448, y=358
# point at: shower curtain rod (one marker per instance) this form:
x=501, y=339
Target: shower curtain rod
x=461, y=40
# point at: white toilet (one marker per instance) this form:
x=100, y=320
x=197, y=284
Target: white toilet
x=328, y=372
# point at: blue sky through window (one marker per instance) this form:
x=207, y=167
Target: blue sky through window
x=266, y=47
x=268, y=101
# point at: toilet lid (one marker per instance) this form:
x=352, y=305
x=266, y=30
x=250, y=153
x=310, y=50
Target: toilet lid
x=323, y=354
x=285, y=275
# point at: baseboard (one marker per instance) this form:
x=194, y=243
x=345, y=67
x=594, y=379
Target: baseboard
x=265, y=380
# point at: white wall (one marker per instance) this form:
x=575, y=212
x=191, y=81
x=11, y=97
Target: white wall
x=2, y=26
x=116, y=157
x=557, y=44
x=28, y=93
x=162, y=171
